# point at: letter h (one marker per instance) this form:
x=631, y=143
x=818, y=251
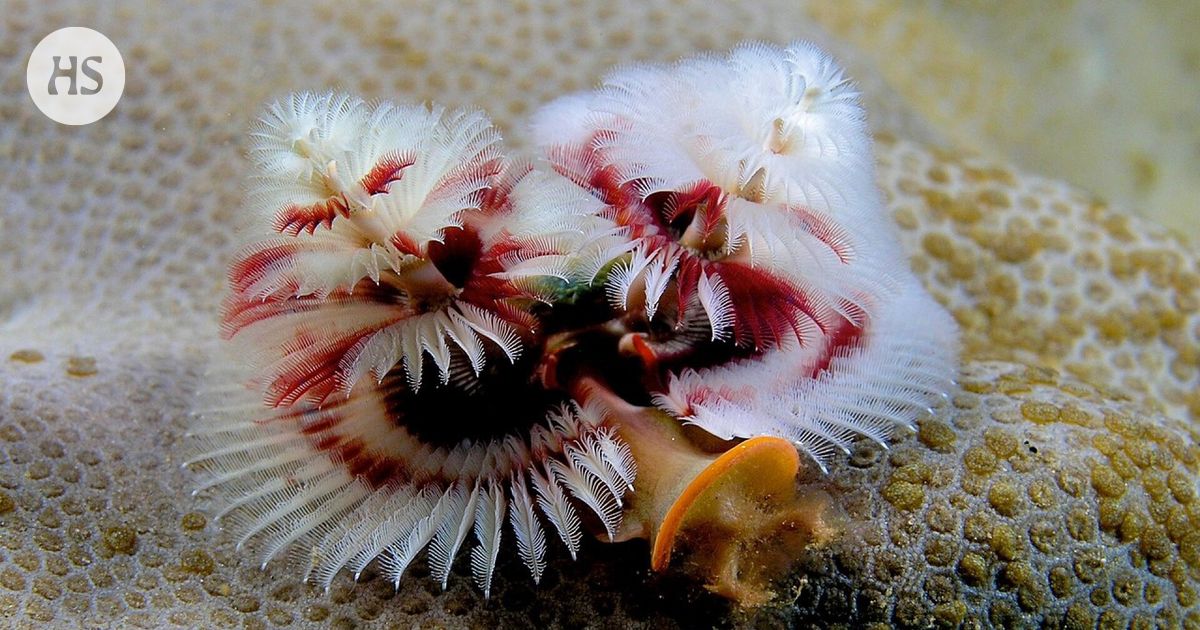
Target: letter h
x=60, y=71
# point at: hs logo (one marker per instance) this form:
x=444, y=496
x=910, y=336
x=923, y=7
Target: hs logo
x=75, y=75
x=69, y=72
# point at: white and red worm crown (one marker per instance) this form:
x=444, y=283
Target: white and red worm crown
x=747, y=184
x=382, y=238
x=399, y=313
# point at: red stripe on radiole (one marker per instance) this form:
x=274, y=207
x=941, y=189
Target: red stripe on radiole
x=254, y=262
x=387, y=170
x=295, y=218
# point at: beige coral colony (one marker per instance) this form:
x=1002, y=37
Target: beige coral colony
x=688, y=294
x=692, y=345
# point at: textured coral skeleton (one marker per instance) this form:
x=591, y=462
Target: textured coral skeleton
x=427, y=337
x=95, y=524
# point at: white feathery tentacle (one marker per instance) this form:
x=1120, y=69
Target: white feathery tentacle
x=399, y=554
x=313, y=519
x=452, y=532
x=336, y=549
x=658, y=274
x=489, y=520
x=393, y=528
x=588, y=455
x=591, y=491
x=531, y=540
x=615, y=455
x=625, y=274
x=900, y=368
x=717, y=304
x=554, y=504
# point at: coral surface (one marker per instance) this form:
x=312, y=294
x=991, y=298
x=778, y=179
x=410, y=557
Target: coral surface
x=114, y=237
x=995, y=79
x=1033, y=499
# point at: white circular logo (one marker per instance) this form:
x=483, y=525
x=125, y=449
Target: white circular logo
x=75, y=75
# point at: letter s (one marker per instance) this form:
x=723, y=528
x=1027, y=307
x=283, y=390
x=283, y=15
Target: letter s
x=92, y=74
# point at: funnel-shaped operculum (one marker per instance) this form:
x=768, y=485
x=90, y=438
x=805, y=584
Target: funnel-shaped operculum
x=732, y=517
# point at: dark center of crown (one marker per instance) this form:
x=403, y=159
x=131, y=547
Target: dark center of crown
x=503, y=400
x=433, y=284
x=456, y=255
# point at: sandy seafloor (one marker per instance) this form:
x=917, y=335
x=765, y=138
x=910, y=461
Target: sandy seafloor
x=113, y=239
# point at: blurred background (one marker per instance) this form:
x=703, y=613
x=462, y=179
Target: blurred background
x=1105, y=95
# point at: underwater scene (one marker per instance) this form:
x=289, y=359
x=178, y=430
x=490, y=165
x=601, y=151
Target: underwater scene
x=558, y=314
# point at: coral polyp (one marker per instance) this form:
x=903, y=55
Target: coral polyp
x=429, y=339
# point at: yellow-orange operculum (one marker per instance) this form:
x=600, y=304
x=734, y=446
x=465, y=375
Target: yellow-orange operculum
x=733, y=517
